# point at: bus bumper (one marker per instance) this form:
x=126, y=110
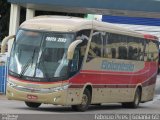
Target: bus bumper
x=57, y=98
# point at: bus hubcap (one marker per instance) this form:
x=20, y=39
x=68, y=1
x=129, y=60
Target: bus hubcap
x=137, y=100
x=84, y=99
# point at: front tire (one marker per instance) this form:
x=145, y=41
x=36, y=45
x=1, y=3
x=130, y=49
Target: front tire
x=32, y=104
x=86, y=100
x=135, y=103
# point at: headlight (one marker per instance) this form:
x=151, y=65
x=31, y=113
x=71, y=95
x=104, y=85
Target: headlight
x=64, y=87
x=11, y=84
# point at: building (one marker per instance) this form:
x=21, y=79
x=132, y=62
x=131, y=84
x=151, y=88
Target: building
x=129, y=8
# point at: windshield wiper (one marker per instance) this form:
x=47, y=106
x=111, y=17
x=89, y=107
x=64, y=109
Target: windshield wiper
x=29, y=62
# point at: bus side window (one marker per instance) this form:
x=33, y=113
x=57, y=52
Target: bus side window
x=84, y=36
x=122, y=52
x=141, y=50
x=130, y=52
x=146, y=50
x=113, y=51
x=122, y=47
x=95, y=49
x=135, y=49
x=153, y=51
x=74, y=64
x=110, y=45
x=79, y=53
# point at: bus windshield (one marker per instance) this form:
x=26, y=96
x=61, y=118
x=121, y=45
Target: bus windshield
x=40, y=55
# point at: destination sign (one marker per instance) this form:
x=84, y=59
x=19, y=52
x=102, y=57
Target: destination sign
x=56, y=39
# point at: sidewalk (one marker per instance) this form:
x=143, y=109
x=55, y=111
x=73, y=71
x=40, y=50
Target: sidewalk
x=2, y=97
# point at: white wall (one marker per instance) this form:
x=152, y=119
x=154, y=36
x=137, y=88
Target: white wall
x=153, y=30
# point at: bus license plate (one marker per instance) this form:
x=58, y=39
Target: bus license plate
x=32, y=97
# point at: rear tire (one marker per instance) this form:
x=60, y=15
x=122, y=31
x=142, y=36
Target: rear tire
x=86, y=100
x=135, y=103
x=32, y=104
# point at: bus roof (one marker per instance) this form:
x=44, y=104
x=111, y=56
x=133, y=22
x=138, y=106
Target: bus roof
x=57, y=23
x=73, y=24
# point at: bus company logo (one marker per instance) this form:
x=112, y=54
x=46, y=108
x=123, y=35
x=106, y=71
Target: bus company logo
x=113, y=66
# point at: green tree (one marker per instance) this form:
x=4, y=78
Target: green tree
x=4, y=18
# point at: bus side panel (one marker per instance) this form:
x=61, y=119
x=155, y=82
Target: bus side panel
x=152, y=57
x=107, y=86
x=106, y=91
x=113, y=86
x=148, y=86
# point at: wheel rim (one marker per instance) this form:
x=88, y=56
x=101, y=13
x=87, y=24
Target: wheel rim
x=84, y=99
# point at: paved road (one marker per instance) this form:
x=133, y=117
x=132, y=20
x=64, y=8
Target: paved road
x=51, y=112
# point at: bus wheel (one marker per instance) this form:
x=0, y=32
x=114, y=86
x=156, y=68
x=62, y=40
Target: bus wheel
x=136, y=101
x=86, y=100
x=32, y=104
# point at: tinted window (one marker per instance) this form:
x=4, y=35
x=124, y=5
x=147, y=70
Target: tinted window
x=81, y=48
x=115, y=46
x=135, y=49
x=95, y=49
x=152, y=51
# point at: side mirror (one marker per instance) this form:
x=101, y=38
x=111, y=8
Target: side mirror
x=4, y=43
x=71, y=49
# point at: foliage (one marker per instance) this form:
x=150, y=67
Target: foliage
x=4, y=18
